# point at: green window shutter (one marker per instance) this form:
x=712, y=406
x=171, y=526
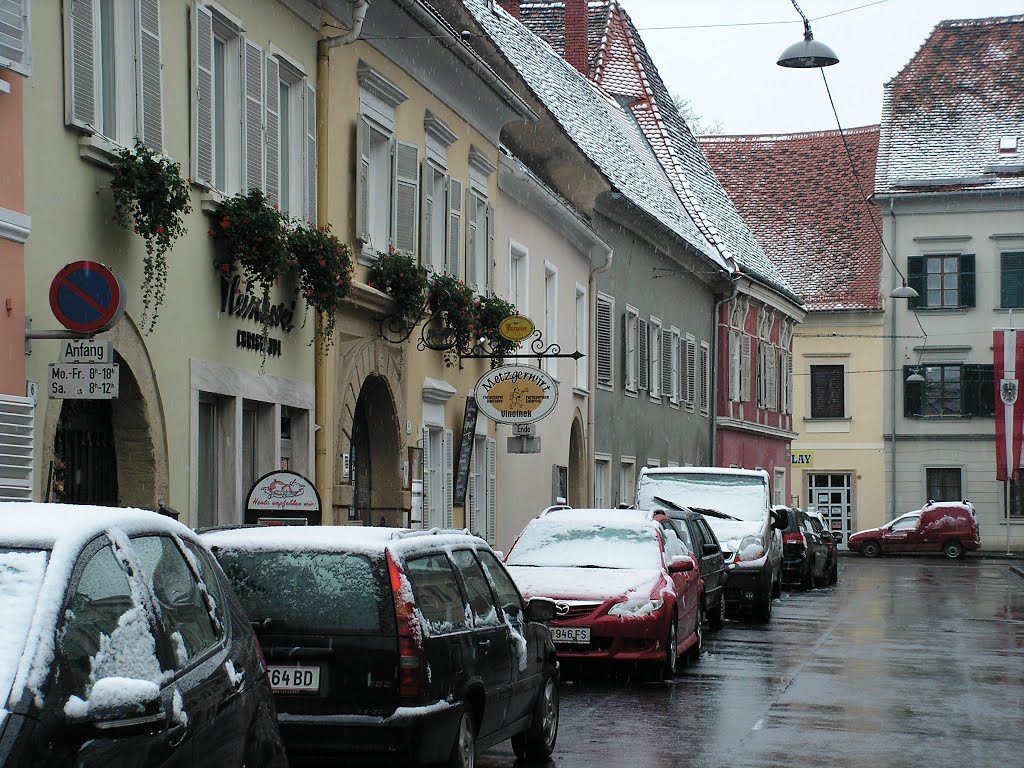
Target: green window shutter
x=915, y=280
x=969, y=395
x=967, y=280
x=986, y=390
x=913, y=393
x=1011, y=280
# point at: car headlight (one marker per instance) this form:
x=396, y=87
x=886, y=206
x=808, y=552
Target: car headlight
x=750, y=548
x=635, y=607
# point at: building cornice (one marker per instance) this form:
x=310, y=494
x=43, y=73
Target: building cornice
x=738, y=425
x=14, y=226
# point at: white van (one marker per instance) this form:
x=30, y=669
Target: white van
x=736, y=503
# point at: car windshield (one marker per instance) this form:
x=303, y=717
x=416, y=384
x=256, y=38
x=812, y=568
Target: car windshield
x=741, y=496
x=311, y=592
x=586, y=545
x=21, y=576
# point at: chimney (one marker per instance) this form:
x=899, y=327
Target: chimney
x=576, y=35
x=511, y=6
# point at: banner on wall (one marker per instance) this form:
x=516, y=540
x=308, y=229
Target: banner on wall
x=1008, y=346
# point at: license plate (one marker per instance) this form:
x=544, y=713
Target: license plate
x=570, y=634
x=294, y=679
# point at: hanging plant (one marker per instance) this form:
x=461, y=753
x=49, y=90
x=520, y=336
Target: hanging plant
x=325, y=274
x=150, y=198
x=252, y=236
x=453, y=300
x=490, y=311
x=398, y=275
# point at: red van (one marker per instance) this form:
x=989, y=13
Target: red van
x=949, y=527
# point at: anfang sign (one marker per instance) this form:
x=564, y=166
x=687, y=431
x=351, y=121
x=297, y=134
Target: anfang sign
x=516, y=394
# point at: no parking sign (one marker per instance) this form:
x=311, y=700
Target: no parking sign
x=86, y=297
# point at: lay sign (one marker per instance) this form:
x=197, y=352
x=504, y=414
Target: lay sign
x=1009, y=364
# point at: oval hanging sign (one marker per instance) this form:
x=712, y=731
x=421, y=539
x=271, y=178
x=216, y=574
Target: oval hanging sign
x=516, y=327
x=516, y=394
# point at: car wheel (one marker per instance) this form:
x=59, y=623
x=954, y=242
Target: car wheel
x=807, y=579
x=671, y=663
x=764, y=607
x=716, y=618
x=777, y=585
x=833, y=577
x=693, y=653
x=870, y=549
x=464, y=751
x=538, y=741
x=953, y=549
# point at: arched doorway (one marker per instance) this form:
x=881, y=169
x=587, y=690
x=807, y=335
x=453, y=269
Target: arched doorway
x=85, y=460
x=374, y=457
x=577, y=466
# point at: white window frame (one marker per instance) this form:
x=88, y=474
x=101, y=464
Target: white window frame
x=604, y=324
x=688, y=351
x=602, y=480
x=582, y=338
x=17, y=438
x=675, y=374
x=643, y=362
x=434, y=209
x=654, y=349
x=16, y=53
x=631, y=345
x=704, y=379
x=519, y=276
x=482, y=496
x=550, y=364
x=627, y=479
x=480, y=242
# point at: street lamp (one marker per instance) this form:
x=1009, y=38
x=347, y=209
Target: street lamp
x=904, y=292
x=808, y=53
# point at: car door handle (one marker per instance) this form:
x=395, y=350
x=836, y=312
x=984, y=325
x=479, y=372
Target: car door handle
x=483, y=642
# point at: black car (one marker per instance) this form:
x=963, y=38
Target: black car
x=124, y=646
x=805, y=555
x=831, y=541
x=705, y=549
x=387, y=643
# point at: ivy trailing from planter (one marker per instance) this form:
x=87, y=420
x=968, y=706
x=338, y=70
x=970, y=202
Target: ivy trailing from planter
x=252, y=236
x=490, y=311
x=150, y=198
x=453, y=299
x=325, y=274
x=398, y=275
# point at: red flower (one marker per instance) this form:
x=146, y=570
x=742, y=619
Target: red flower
x=323, y=263
x=211, y=233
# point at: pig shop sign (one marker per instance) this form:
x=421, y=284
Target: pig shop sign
x=237, y=298
x=516, y=394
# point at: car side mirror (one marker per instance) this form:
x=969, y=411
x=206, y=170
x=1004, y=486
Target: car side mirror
x=540, y=609
x=711, y=549
x=117, y=708
x=780, y=519
x=681, y=564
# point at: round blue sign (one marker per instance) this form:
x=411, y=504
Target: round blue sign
x=86, y=297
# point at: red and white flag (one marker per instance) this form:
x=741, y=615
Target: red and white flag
x=1009, y=364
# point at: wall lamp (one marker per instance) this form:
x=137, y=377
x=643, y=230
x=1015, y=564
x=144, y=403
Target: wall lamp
x=808, y=53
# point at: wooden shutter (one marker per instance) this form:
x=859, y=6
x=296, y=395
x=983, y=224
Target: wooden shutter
x=492, y=490
x=473, y=506
x=427, y=255
x=489, y=252
x=691, y=370
x=734, y=365
x=309, y=166
x=202, y=95
x=966, y=279
x=453, y=256
x=407, y=192
x=1011, y=280
x=605, y=309
x=744, y=368
x=978, y=392
x=15, y=51
x=252, y=115
x=363, y=183
x=772, y=373
x=643, y=363
x=17, y=447
x=915, y=280
x=705, y=395
x=471, y=236
x=666, y=365
x=913, y=393
x=449, y=477
x=629, y=331
x=429, y=511
x=149, y=76
x=272, y=104
x=80, y=52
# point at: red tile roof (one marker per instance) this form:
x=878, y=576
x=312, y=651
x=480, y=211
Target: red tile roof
x=805, y=205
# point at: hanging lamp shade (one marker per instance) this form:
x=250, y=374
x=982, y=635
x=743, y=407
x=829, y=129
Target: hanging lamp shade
x=808, y=54
x=915, y=377
x=904, y=292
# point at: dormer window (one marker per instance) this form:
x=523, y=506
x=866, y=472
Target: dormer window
x=1008, y=145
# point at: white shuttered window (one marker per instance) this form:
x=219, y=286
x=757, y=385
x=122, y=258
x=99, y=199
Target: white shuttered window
x=15, y=42
x=605, y=341
x=17, y=447
x=631, y=359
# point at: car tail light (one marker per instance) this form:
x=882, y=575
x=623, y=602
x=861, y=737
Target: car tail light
x=794, y=538
x=410, y=638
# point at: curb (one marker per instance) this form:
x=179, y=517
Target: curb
x=1018, y=571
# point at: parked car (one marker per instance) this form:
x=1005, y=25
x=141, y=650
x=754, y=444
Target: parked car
x=804, y=551
x=414, y=645
x=702, y=544
x=831, y=541
x=950, y=527
x=124, y=645
x=747, y=527
x=624, y=586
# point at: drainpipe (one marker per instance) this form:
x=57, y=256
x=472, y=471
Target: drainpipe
x=714, y=367
x=592, y=364
x=895, y=382
x=323, y=370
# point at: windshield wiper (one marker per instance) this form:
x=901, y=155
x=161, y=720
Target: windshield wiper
x=667, y=503
x=715, y=513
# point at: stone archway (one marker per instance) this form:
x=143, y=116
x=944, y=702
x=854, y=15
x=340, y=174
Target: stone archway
x=134, y=421
x=369, y=436
x=578, y=473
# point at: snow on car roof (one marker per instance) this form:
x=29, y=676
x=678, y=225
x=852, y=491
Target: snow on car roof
x=369, y=540
x=41, y=525
x=638, y=517
x=702, y=471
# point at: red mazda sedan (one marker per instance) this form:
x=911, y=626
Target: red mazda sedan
x=624, y=587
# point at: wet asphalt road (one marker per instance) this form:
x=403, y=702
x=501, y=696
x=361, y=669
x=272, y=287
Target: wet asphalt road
x=906, y=662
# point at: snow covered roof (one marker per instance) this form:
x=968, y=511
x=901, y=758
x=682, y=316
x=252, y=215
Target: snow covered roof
x=606, y=132
x=809, y=209
x=621, y=65
x=953, y=118
x=37, y=525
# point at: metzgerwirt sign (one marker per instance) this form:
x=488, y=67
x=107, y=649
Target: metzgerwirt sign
x=516, y=394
